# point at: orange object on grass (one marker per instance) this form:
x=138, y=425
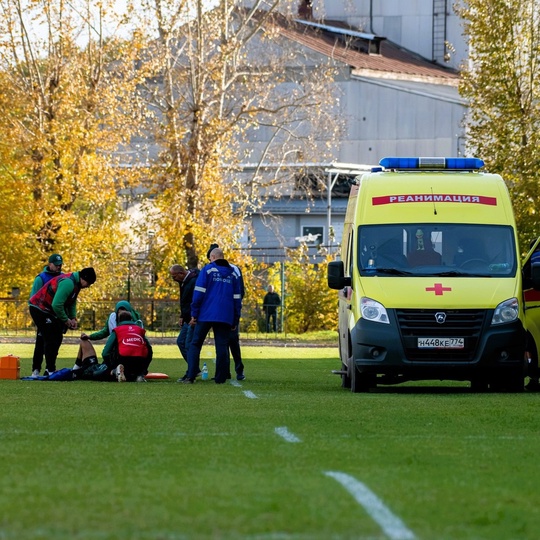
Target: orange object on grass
x=10, y=367
x=156, y=376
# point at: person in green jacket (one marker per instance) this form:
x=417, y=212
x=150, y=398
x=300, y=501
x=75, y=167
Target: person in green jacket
x=54, y=310
x=112, y=321
x=53, y=269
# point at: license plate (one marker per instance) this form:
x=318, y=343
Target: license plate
x=441, y=343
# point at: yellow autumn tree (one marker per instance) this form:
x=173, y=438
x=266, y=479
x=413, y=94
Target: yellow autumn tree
x=502, y=83
x=309, y=304
x=68, y=106
x=220, y=78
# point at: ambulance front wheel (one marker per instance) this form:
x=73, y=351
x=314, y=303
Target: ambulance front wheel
x=362, y=382
x=508, y=380
x=347, y=362
x=345, y=379
x=479, y=384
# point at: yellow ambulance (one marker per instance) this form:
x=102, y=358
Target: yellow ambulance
x=429, y=279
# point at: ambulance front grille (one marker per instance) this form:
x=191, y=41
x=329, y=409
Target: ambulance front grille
x=459, y=323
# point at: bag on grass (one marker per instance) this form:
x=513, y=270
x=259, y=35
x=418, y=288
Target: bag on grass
x=64, y=374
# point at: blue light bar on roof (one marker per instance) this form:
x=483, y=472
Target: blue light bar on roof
x=432, y=163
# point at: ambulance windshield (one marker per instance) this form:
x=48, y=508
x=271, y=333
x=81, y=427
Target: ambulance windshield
x=427, y=249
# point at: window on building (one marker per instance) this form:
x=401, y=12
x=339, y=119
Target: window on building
x=309, y=183
x=313, y=184
x=313, y=236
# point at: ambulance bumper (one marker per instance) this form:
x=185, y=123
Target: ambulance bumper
x=391, y=349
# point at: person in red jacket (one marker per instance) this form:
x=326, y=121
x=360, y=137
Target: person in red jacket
x=53, y=309
x=128, y=352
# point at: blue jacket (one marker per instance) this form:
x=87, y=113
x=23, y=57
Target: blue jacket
x=217, y=295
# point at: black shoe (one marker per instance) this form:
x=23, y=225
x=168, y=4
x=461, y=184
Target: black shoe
x=240, y=377
x=182, y=379
x=187, y=381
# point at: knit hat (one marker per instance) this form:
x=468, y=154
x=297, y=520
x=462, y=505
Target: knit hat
x=212, y=247
x=88, y=274
x=56, y=259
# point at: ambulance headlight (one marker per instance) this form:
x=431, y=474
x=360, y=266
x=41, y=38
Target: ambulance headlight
x=373, y=311
x=506, y=312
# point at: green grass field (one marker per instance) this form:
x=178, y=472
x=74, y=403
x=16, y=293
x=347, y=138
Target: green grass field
x=266, y=458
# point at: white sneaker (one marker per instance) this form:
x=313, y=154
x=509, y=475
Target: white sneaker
x=119, y=372
x=35, y=374
x=47, y=373
x=140, y=378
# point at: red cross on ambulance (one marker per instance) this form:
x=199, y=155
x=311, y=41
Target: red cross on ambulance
x=438, y=289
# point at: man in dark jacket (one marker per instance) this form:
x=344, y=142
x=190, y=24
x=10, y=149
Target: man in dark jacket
x=270, y=304
x=53, y=269
x=216, y=305
x=53, y=309
x=186, y=280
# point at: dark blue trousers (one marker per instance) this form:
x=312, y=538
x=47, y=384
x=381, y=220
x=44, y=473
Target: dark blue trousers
x=222, y=333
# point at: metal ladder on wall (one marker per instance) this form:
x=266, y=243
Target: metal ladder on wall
x=439, y=31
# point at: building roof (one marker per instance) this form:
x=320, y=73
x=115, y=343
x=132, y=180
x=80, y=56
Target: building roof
x=294, y=206
x=391, y=60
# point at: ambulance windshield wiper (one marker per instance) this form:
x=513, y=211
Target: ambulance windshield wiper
x=393, y=271
x=453, y=273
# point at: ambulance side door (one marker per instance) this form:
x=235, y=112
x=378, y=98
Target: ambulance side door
x=531, y=300
x=345, y=294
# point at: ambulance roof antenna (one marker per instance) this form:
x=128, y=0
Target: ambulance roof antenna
x=434, y=207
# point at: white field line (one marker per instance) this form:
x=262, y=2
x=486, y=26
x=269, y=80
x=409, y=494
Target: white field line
x=287, y=435
x=248, y=393
x=392, y=526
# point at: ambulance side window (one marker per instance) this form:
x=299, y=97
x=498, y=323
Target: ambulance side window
x=350, y=253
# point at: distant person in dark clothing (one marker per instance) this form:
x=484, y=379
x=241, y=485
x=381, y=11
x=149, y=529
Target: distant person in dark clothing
x=53, y=269
x=270, y=304
x=186, y=280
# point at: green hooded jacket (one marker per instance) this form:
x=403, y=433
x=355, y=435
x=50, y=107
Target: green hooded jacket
x=105, y=332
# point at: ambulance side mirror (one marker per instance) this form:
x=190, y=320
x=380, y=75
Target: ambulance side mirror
x=336, y=276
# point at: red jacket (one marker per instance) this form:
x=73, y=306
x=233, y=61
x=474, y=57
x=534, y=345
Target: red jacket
x=131, y=340
x=43, y=299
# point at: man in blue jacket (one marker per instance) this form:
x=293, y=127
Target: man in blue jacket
x=216, y=305
x=234, y=339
